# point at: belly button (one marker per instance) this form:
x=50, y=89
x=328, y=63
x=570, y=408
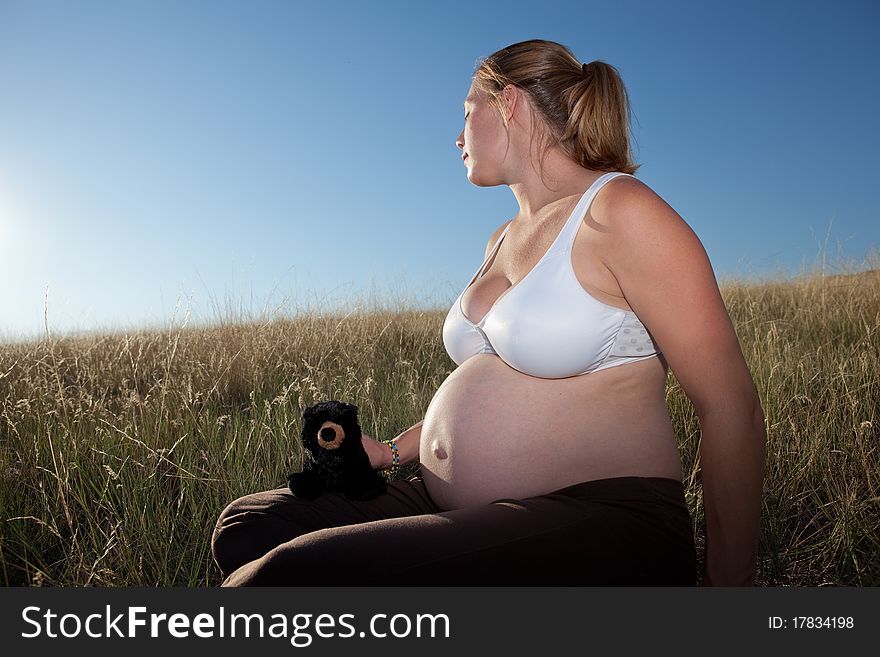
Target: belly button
x=438, y=450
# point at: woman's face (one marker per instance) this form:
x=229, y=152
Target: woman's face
x=483, y=141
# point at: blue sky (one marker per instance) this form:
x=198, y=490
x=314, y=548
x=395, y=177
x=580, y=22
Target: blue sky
x=219, y=159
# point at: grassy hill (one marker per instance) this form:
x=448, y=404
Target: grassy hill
x=118, y=451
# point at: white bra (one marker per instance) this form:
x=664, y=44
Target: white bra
x=548, y=325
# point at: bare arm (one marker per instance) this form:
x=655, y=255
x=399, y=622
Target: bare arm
x=666, y=277
x=407, y=445
x=732, y=452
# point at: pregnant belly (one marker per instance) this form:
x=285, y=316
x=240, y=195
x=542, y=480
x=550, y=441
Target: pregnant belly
x=491, y=432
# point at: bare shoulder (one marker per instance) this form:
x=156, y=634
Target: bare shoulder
x=666, y=278
x=495, y=236
x=628, y=199
x=630, y=214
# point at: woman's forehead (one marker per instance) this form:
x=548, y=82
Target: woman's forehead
x=473, y=95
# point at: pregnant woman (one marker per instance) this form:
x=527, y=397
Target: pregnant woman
x=548, y=456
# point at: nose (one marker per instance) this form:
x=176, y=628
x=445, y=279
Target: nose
x=459, y=141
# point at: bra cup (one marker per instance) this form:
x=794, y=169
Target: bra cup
x=460, y=339
x=551, y=327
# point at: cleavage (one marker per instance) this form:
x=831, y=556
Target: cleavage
x=482, y=295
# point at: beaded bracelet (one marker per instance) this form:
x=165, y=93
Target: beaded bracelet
x=392, y=471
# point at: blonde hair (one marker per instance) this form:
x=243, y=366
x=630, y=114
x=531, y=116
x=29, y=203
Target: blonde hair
x=584, y=109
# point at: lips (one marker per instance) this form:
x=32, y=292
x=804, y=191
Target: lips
x=464, y=157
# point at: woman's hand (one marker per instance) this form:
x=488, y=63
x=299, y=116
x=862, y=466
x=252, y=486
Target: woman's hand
x=379, y=453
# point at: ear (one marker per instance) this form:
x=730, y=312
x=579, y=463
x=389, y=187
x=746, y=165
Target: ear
x=349, y=414
x=513, y=98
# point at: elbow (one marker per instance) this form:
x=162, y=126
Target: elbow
x=759, y=425
x=733, y=408
x=758, y=411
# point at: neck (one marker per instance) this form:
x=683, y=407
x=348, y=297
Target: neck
x=563, y=184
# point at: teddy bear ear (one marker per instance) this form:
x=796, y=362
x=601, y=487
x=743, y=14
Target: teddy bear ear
x=349, y=409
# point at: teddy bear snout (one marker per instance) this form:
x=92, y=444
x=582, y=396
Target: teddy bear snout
x=330, y=436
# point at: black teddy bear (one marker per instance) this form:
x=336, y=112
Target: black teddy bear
x=334, y=458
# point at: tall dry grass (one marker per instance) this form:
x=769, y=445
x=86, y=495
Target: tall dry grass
x=118, y=451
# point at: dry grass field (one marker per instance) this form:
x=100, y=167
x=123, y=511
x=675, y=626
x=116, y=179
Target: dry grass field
x=118, y=451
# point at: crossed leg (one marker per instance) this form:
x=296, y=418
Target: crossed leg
x=253, y=525
x=548, y=540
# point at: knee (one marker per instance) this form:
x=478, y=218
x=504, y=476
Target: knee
x=263, y=571
x=227, y=538
x=321, y=558
x=244, y=531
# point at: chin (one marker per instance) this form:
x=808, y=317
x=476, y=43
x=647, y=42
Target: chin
x=483, y=181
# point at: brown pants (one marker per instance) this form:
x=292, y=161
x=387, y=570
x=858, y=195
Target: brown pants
x=624, y=531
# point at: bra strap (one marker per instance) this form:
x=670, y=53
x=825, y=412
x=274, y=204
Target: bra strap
x=577, y=216
x=489, y=257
